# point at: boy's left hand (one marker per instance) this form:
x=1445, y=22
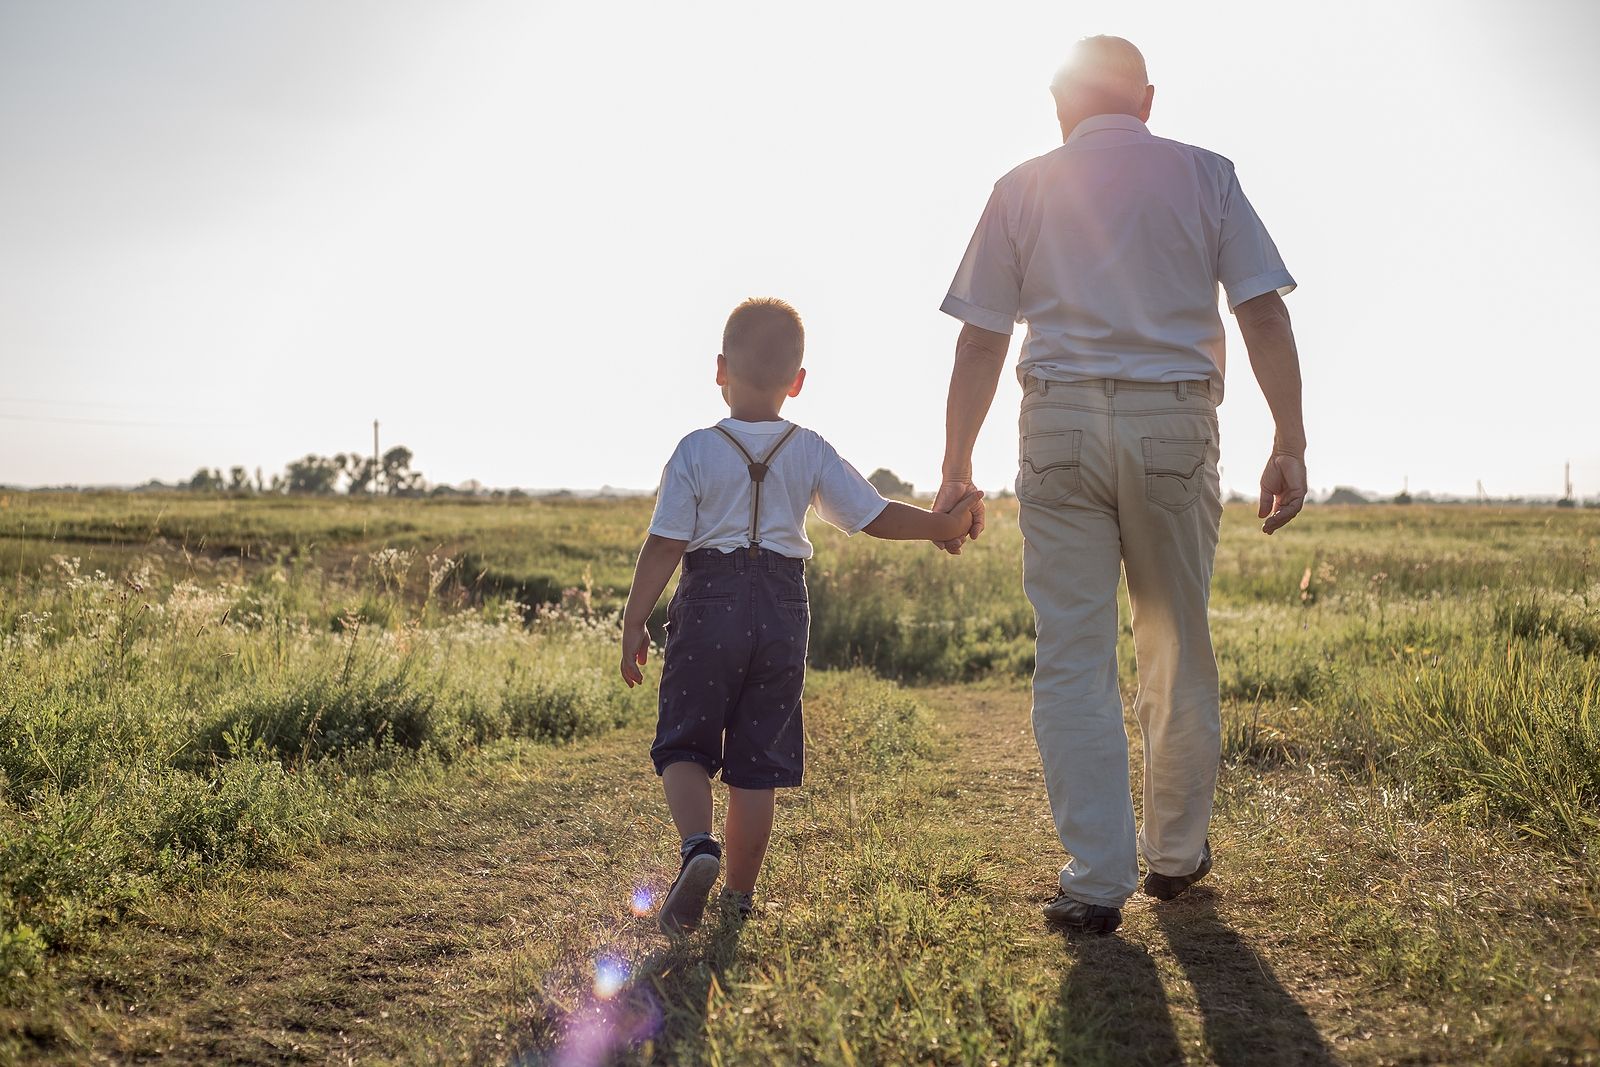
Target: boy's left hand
x=635, y=653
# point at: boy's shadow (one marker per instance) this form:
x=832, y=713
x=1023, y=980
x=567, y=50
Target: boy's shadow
x=660, y=1010
x=1113, y=1005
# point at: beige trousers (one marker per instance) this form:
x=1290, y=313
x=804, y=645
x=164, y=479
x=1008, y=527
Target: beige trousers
x=1118, y=476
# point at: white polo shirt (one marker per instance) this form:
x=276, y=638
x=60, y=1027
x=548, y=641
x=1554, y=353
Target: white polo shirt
x=1111, y=249
x=705, y=490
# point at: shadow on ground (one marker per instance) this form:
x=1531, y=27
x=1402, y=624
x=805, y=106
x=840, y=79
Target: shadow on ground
x=1249, y=1017
x=659, y=1014
x=1112, y=1007
x=1114, y=1010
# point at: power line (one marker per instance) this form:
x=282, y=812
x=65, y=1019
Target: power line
x=111, y=422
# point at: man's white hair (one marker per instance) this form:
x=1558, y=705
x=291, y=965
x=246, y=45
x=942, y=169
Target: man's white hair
x=1107, y=67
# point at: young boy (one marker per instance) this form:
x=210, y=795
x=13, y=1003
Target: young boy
x=732, y=507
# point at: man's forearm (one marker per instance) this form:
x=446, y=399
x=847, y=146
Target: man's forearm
x=980, y=357
x=1269, y=337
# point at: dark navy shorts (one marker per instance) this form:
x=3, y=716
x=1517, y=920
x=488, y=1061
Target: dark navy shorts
x=735, y=667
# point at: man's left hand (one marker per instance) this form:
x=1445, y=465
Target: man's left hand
x=1283, y=491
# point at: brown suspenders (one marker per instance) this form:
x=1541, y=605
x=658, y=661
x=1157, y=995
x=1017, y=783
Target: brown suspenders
x=758, y=474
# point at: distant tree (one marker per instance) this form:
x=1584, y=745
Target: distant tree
x=398, y=477
x=888, y=483
x=1402, y=497
x=207, y=481
x=1343, y=494
x=361, y=472
x=313, y=474
x=238, y=480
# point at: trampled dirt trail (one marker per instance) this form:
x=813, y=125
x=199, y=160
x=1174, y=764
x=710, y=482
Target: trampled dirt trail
x=444, y=942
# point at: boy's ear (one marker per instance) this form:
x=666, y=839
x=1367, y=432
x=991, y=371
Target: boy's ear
x=799, y=383
x=722, y=369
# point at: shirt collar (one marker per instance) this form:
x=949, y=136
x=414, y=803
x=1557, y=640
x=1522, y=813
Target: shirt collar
x=1094, y=123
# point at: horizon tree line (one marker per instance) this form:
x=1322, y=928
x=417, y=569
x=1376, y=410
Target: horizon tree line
x=314, y=475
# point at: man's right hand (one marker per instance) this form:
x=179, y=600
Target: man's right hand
x=1283, y=491
x=951, y=493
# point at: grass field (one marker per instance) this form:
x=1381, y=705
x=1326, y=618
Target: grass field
x=305, y=780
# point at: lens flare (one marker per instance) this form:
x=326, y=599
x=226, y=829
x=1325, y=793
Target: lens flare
x=609, y=976
x=643, y=899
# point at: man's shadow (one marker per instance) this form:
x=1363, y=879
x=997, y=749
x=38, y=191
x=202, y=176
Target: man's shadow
x=1249, y=1017
x=1113, y=1007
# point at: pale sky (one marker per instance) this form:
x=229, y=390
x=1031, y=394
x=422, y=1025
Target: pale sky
x=237, y=232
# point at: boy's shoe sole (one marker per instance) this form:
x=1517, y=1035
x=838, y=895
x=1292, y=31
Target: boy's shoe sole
x=686, y=900
x=1171, y=886
x=1076, y=915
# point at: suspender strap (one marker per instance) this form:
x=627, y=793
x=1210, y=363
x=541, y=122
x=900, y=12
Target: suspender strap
x=758, y=474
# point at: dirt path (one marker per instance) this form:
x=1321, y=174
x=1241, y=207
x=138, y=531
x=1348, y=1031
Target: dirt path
x=392, y=947
x=474, y=934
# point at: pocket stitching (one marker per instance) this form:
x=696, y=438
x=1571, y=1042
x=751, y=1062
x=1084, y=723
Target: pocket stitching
x=1075, y=463
x=1151, y=472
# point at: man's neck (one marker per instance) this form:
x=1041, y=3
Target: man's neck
x=1068, y=124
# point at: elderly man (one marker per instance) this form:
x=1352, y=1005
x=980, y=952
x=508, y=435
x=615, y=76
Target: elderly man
x=1111, y=249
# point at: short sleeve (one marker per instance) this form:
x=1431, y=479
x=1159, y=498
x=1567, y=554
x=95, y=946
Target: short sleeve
x=844, y=498
x=1248, y=264
x=987, y=290
x=677, y=503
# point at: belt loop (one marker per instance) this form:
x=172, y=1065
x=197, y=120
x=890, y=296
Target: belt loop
x=1111, y=387
x=738, y=561
x=1046, y=384
x=1183, y=390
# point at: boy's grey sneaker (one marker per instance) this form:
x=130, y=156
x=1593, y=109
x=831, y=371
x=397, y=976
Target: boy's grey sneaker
x=733, y=902
x=686, y=900
x=1077, y=915
x=1169, y=886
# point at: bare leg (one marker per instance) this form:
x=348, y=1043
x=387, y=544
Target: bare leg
x=688, y=790
x=745, y=837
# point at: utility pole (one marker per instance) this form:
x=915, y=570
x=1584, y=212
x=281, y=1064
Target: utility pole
x=374, y=457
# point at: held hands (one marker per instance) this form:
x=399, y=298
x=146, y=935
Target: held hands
x=957, y=496
x=1283, y=490
x=635, y=652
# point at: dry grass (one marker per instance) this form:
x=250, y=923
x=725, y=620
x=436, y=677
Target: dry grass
x=899, y=925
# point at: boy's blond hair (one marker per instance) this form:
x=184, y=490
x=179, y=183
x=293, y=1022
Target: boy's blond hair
x=764, y=342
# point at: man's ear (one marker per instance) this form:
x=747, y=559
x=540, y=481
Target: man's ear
x=1149, y=98
x=799, y=383
x=722, y=369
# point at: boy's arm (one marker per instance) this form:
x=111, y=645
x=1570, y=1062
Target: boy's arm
x=902, y=522
x=657, y=560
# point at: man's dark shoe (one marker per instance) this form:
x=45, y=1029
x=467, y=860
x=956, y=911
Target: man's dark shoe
x=686, y=900
x=1169, y=886
x=1076, y=915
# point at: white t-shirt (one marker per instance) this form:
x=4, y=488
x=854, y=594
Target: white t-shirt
x=705, y=490
x=1111, y=249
